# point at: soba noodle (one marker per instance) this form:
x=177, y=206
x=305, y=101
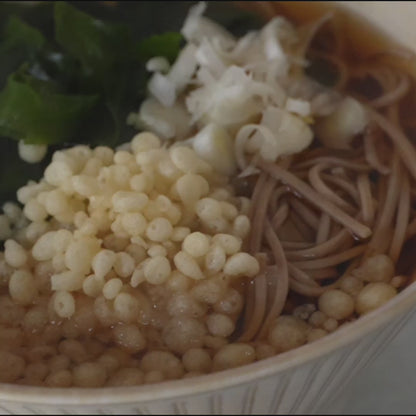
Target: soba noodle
x=342, y=214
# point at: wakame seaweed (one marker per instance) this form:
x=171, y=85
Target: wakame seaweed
x=71, y=79
x=60, y=89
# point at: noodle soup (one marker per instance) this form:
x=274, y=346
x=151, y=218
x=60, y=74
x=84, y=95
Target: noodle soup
x=270, y=210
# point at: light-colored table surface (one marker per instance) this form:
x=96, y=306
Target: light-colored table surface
x=387, y=385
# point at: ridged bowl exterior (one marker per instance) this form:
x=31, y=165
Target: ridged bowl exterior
x=300, y=381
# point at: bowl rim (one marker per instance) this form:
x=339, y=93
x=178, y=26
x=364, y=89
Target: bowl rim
x=404, y=302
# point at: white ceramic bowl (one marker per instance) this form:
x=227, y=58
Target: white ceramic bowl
x=296, y=382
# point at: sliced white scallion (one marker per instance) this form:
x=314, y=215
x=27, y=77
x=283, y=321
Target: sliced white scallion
x=183, y=68
x=32, y=153
x=167, y=122
x=292, y=134
x=279, y=133
x=300, y=107
x=197, y=27
x=158, y=64
x=163, y=89
x=215, y=145
x=228, y=102
x=339, y=128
